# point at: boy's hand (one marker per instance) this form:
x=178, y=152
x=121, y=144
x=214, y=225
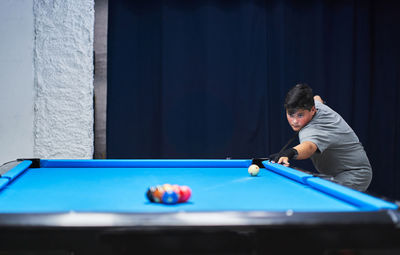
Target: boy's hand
x=284, y=157
x=273, y=157
x=284, y=161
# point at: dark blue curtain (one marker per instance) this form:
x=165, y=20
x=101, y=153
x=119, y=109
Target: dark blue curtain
x=207, y=79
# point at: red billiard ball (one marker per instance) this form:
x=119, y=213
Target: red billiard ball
x=186, y=192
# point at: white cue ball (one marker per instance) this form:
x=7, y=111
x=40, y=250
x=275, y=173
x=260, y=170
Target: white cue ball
x=253, y=170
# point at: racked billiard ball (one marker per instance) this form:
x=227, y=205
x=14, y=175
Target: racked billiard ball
x=177, y=190
x=149, y=194
x=186, y=192
x=170, y=197
x=158, y=194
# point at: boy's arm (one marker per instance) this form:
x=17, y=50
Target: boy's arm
x=304, y=150
x=318, y=98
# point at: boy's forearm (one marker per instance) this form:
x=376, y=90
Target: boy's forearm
x=305, y=150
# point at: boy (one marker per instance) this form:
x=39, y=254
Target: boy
x=326, y=138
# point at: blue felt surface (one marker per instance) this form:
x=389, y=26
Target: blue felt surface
x=123, y=190
x=218, y=185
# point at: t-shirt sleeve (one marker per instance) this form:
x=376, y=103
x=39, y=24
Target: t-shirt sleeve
x=316, y=136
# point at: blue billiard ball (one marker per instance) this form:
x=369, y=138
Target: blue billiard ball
x=170, y=197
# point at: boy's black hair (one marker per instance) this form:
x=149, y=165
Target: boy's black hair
x=299, y=97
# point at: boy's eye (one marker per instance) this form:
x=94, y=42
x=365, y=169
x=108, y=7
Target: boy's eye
x=300, y=115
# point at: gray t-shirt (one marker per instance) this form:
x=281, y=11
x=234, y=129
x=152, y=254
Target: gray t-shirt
x=339, y=148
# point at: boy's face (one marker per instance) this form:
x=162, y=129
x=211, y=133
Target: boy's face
x=298, y=119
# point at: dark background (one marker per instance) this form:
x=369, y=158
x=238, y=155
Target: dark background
x=207, y=79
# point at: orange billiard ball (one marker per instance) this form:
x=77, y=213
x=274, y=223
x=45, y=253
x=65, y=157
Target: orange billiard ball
x=158, y=194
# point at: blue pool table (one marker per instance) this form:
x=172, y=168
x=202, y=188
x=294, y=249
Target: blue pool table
x=100, y=206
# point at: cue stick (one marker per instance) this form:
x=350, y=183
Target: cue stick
x=287, y=144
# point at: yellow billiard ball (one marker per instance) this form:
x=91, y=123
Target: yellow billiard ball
x=253, y=170
x=167, y=186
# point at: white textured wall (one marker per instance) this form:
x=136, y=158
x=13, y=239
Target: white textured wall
x=63, y=59
x=16, y=79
